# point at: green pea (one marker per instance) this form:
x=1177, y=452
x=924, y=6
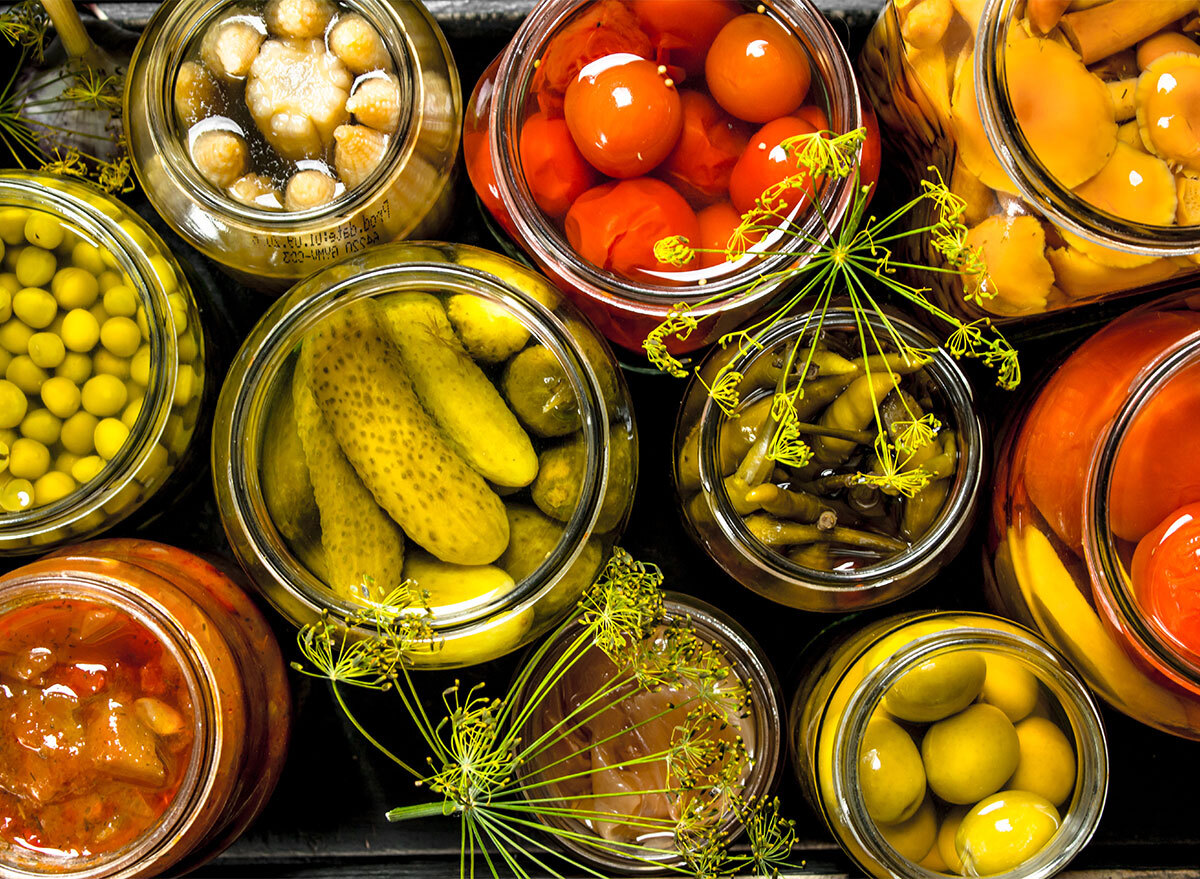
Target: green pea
x=87, y=469
x=6, y=296
x=35, y=307
x=165, y=273
x=43, y=230
x=121, y=301
x=51, y=487
x=188, y=348
x=42, y=425
x=5, y=359
x=75, y=288
x=179, y=312
x=13, y=404
x=106, y=363
x=130, y=416
x=28, y=459
x=61, y=396
x=120, y=336
x=15, y=336
x=81, y=330
x=154, y=467
x=17, y=495
x=9, y=284
x=26, y=374
x=78, y=433
x=76, y=367
x=109, y=279
x=186, y=385
x=9, y=260
x=143, y=325
x=138, y=234
x=139, y=367
x=104, y=395
x=109, y=437
x=97, y=311
x=46, y=350
x=87, y=257
x=35, y=267
x=65, y=462
x=12, y=225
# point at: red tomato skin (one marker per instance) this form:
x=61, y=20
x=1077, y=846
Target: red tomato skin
x=764, y=163
x=554, y=168
x=1166, y=575
x=477, y=154
x=756, y=69
x=684, y=29
x=814, y=116
x=717, y=223
x=615, y=225
x=710, y=143
x=871, y=156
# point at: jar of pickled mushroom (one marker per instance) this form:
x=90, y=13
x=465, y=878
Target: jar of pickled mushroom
x=277, y=136
x=1093, y=533
x=607, y=125
x=951, y=744
x=1065, y=128
x=874, y=509
x=433, y=419
x=145, y=712
x=103, y=360
x=592, y=732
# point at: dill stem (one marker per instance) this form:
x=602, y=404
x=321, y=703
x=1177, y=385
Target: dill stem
x=70, y=29
x=424, y=810
x=366, y=735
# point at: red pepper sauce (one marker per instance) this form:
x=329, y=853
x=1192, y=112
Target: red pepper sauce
x=96, y=730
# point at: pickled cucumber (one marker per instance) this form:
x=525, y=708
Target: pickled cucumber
x=466, y=406
x=449, y=588
x=560, y=479
x=397, y=450
x=534, y=537
x=488, y=329
x=541, y=394
x=286, y=488
x=363, y=548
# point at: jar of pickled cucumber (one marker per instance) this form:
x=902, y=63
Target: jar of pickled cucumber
x=278, y=136
x=1093, y=531
x=103, y=360
x=605, y=126
x=951, y=744
x=1065, y=130
x=426, y=424
x=825, y=531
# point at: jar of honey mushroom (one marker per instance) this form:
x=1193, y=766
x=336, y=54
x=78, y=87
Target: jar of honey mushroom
x=1066, y=130
x=278, y=136
x=1094, y=527
x=949, y=744
x=426, y=424
x=145, y=712
x=587, y=182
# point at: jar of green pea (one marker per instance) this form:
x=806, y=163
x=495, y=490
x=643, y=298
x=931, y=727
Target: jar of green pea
x=102, y=359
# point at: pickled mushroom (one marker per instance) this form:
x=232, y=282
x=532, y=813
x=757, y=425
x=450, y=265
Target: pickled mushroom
x=1080, y=276
x=974, y=148
x=1106, y=256
x=979, y=198
x=197, y=95
x=359, y=45
x=1165, y=43
x=1064, y=110
x=376, y=103
x=297, y=93
x=1044, y=14
x=231, y=44
x=926, y=22
x=256, y=191
x=299, y=19
x=1130, y=133
x=1110, y=27
x=1122, y=92
x=358, y=152
x=309, y=189
x=1013, y=249
x=221, y=156
x=1187, y=189
x=1168, y=108
x=1133, y=186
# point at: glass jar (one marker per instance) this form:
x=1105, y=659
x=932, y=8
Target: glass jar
x=856, y=681
x=322, y=523
x=1085, y=541
x=213, y=695
x=627, y=306
x=762, y=734
x=871, y=545
x=401, y=184
x=1047, y=135
x=105, y=362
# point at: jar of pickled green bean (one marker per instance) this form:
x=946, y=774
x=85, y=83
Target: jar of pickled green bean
x=103, y=362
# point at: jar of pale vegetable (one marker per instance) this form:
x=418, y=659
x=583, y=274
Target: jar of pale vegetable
x=280, y=136
x=1066, y=128
x=427, y=427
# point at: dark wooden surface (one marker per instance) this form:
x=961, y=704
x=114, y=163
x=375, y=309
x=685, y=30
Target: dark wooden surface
x=327, y=816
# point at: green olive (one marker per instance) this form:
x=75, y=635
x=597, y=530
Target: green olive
x=915, y=837
x=1047, y=763
x=947, y=832
x=1009, y=686
x=1004, y=831
x=937, y=687
x=969, y=756
x=890, y=772
x=12, y=225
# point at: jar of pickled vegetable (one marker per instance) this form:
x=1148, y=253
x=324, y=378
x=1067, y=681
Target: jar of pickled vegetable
x=592, y=732
x=872, y=510
x=145, y=712
x=606, y=126
x=1093, y=537
x=426, y=424
x=1011, y=770
x=278, y=136
x=1063, y=127
x=103, y=360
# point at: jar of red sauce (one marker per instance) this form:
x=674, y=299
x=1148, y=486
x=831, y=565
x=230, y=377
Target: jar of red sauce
x=607, y=125
x=1094, y=536
x=144, y=712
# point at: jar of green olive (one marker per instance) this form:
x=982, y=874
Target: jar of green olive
x=428, y=428
x=278, y=136
x=866, y=509
x=949, y=744
x=103, y=360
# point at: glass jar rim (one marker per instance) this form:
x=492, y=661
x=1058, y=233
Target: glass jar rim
x=65, y=198
x=251, y=377
x=767, y=707
x=1034, y=182
x=955, y=518
x=515, y=71
x=1077, y=826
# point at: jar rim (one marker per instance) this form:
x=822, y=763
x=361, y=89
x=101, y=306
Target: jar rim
x=516, y=66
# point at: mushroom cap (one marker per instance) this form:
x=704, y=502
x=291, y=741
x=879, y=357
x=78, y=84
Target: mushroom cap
x=1187, y=187
x=1081, y=277
x=974, y=148
x=1014, y=250
x=1168, y=108
x=1134, y=186
x=1162, y=43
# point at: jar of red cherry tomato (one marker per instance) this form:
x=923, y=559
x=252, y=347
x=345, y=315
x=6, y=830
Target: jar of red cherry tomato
x=606, y=126
x=144, y=712
x=1096, y=524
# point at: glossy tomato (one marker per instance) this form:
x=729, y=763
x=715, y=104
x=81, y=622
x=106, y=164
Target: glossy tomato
x=554, y=168
x=756, y=69
x=1166, y=575
x=872, y=148
x=709, y=146
x=684, y=29
x=624, y=114
x=814, y=116
x=477, y=154
x=766, y=163
x=616, y=225
x=717, y=223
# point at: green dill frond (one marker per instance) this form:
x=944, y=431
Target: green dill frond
x=724, y=391
x=916, y=434
x=824, y=153
x=787, y=448
x=27, y=25
x=623, y=605
x=95, y=89
x=674, y=251
x=679, y=323
x=771, y=837
x=893, y=477
x=66, y=164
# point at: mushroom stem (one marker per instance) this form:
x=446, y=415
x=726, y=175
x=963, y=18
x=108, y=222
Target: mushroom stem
x=70, y=29
x=1102, y=30
x=1044, y=14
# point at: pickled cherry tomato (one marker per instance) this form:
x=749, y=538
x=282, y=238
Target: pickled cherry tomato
x=684, y=29
x=814, y=116
x=624, y=114
x=616, y=225
x=766, y=163
x=1166, y=575
x=709, y=146
x=717, y=223
x=554, y=168
x=872, y=149
x=477, y=153
x=756, y=69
